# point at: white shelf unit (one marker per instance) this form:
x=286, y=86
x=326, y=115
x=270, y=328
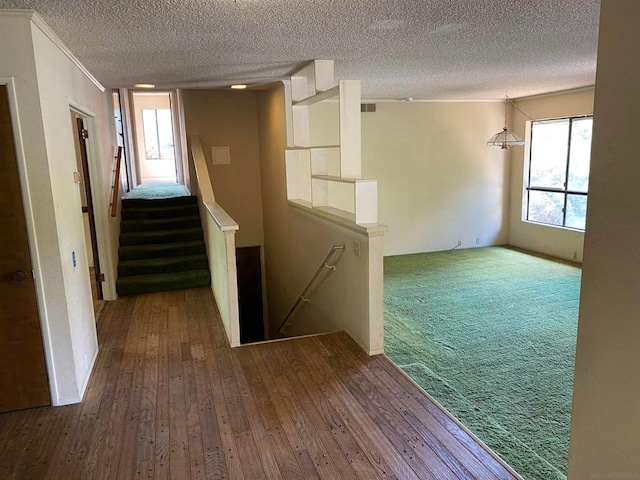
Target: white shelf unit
x=320, y=175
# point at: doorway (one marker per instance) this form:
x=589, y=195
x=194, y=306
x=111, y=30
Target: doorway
x=157, y=158
x=23, y=374
x=250, y=301
x=86, y=198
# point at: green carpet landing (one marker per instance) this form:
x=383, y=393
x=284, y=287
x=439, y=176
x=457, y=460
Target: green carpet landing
x=161, y=245
x=490, y=333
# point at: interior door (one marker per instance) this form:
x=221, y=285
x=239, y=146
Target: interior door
x=23, y=373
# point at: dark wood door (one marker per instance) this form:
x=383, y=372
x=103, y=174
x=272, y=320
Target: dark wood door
x=23, y=373
x=250, y=294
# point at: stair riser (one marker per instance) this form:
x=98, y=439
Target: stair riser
x=138, y=252
x=151, y=213
x=183, y=265
x=178, y=236
x=149, y=287
x=161, y=202
x=130, y=226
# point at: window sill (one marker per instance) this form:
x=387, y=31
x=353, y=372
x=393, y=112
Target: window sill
x=548, y=225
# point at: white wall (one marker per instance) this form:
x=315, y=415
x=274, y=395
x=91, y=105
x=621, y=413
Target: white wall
x=438, y=182
x=605, y=424
x=46, y=82
x=559, y=242
x=230, y=119
x=297, y=242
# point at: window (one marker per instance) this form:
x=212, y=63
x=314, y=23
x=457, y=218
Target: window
x=158, y=134
x=560, y=152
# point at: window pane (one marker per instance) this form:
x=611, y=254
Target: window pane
x=549, y=142
x=165, y=131
x=580, y=154
x=545, y=207
x=576, y=211
x=149, y=128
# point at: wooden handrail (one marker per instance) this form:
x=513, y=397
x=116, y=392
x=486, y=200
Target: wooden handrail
x=116, y=184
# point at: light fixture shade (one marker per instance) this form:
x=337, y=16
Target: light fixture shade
x=505, y=139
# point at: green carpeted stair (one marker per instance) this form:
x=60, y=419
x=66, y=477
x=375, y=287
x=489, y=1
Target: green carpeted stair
x=161, y=246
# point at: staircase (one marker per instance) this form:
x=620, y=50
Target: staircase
x=161, y=246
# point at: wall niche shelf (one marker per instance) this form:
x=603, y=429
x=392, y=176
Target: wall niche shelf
x=323, y=156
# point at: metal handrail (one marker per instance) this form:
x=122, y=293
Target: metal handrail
x=302, y=298
x=116, y=184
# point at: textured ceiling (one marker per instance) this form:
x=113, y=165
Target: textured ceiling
x=424, y=49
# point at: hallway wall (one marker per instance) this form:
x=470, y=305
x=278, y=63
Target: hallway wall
x=230, y=118
x=48, y=80
x=438, y=182
x=605, y=423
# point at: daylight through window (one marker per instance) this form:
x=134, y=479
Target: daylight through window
x=559, y=171
x=158, y=134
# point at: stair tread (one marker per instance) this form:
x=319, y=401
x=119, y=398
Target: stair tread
x=162, y=246
x=158, y=282
x=181, y=200
x=152, y=221
x=157, y=250
x=151, y=224
x=162, y=277
x=162, y=260
x=163, y=208
x=151, y=233
x=171, y=211
x=149, y=237
x=148, y=266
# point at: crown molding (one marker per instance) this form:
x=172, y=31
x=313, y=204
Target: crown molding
x=37, y=20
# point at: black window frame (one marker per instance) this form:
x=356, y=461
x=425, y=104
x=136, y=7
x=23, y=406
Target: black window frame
x=564, y=191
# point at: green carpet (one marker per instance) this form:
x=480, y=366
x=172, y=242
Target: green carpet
x=152, y=190
x=490, y=333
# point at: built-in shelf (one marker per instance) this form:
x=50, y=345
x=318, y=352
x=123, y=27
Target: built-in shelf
x=326, y=178
x=331, y=178
x=314, y=147
x=318, y=97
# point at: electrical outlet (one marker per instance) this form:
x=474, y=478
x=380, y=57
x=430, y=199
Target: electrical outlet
x=356, y=248
x=73, y=258
x=575, y=255
x=459, y=243
x=477, y=241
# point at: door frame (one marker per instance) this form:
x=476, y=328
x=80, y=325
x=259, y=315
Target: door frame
x=82, y=157
x=31, y=233
x=100, y=214
x=179, y=145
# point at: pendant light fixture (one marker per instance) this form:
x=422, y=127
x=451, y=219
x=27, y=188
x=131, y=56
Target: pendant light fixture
x=505, y=138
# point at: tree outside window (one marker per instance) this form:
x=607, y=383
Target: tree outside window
x=560, y=153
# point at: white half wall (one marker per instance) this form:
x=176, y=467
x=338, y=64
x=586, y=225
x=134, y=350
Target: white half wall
x=555, y=241
x=438, y=182
x=605, y=422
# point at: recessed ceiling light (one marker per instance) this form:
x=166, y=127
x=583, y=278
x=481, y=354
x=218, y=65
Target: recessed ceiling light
x=144, y=85
x=239, y=87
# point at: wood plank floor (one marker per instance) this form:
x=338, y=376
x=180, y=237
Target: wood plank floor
x=169, y=399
